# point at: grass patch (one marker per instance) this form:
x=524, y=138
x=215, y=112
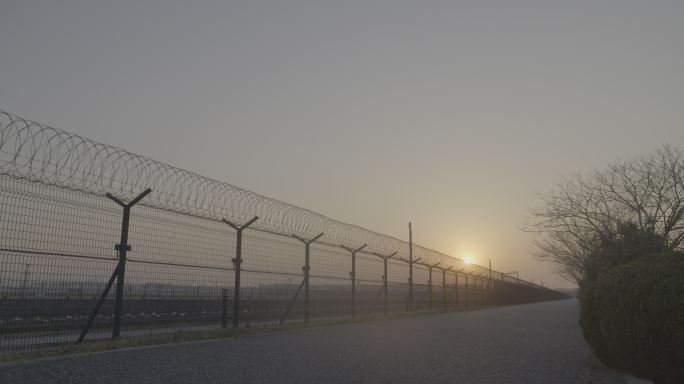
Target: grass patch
x=180, y=337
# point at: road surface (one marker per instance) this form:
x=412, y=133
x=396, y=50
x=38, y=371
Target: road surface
x=533, y=343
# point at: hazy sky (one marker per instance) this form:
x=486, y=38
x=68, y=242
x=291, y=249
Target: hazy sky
x=451, y=114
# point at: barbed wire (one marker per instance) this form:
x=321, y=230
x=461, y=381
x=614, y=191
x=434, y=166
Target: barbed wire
x=38, y=153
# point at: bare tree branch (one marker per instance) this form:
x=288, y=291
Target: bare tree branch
x=573, y=219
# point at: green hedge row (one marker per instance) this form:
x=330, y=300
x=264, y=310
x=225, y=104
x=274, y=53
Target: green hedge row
x=633, y=317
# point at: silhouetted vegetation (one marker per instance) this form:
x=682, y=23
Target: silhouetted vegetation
x=627, y=245
x=633, y=317
x=616, y=233
x=586, y=212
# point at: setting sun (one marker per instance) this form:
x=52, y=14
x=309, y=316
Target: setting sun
x=468, y=260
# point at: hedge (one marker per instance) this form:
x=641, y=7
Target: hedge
x=633, y=317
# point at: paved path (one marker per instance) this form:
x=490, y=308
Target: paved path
x=535, y=343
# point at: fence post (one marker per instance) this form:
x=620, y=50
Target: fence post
x=237, y=262
x=482, y=290
x=306, y=269
x=408, y=309
x=429, y=288
x=475, y=298
x=478, y=290
x=489, y=284
x=409, y=299
x=489, y=291
x=456, y=288
x=224, y=309
x=384, y=283
x=444, y=295
x=353, y=276
x=410, y=263
x=384, y=277
x=101, y=300
x=430, y=285
x=123, y=248
x=467, y=292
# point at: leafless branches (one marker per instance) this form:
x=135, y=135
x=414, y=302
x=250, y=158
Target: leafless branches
x=582, y=211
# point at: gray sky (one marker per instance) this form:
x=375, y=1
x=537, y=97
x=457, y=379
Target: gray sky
x=451, y=114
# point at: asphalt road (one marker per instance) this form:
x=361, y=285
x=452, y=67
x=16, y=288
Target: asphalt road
x=534, y=343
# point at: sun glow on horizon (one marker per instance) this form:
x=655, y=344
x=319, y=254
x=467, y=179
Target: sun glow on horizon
x=468, y=259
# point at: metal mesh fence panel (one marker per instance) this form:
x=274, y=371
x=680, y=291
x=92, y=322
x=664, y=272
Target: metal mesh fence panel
x=71, y=228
